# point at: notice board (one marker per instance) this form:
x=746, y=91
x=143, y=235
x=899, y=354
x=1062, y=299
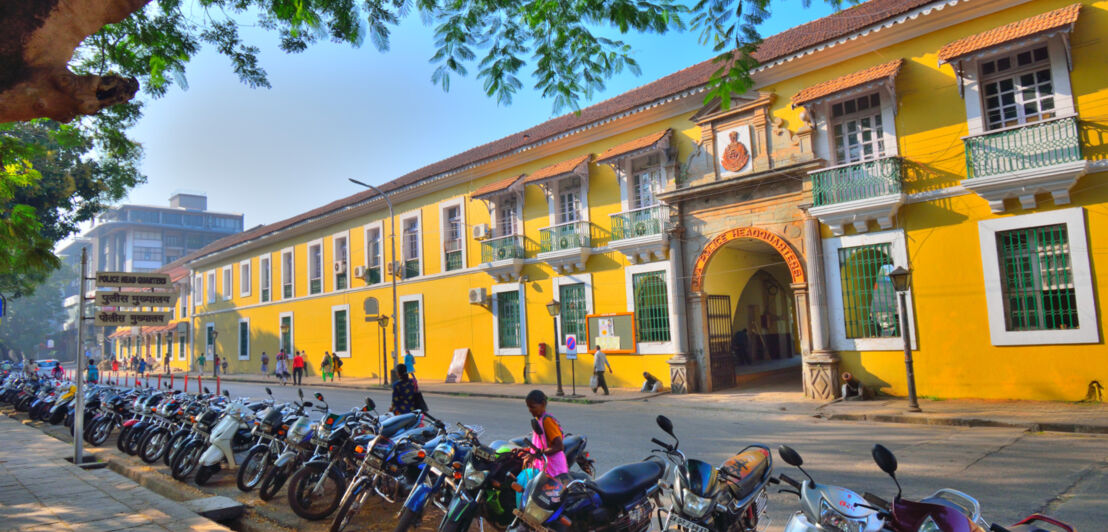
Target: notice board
x=614, y=332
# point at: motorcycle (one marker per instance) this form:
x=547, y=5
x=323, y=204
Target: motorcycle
x=704, y=498
x=438, y=477
x=298, y=449
x=229, y=437
x=826, y=507
x=946, y=510
x=269, y=431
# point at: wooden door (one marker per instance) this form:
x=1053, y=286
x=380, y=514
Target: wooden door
x=719, y=342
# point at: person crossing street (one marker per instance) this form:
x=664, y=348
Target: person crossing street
x=598, y=366
x=297, y=369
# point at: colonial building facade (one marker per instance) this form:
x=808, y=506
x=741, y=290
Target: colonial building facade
x=708, y=245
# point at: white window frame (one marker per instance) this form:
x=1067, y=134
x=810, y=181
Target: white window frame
x=654, y=348
x=379, y=227
x=509, y=351
x=422, y=325
x=554, y=196
x=404, y=218
x=292, y=335
x=349, y=340
x=184, y=302
x=182, y=344
x=1058, y=50
x=246, y=281
x=227, y=289
x=884, y=112
x=208, y=327
x=197, y=293
x=516, y=217
x=238, y=336
x=291, y=252
x=835, y=312
x=209, y=288
x=821, y=113
x=344, y=236
x=265, y=272
x=308, y=267
x=556, y=291
x=443, y=230
x=1087, y=331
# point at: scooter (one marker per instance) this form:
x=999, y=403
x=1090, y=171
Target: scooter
x=230, y=435
x=826, y=507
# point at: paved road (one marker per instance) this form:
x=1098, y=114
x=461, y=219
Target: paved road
x=1012, y=473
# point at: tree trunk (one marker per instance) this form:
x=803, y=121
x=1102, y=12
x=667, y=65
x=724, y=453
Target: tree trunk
x=39, y=39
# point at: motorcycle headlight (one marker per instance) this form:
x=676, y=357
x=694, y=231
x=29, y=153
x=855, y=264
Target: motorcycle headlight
x=831, y=519
x=473, y=477
x=694, y=505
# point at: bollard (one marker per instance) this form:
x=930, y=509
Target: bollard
x=217, y=384
x=199, y=383
x=186, y=390
x=147, y=380
x=137, y=383
x=159, y=382
x=171, y=381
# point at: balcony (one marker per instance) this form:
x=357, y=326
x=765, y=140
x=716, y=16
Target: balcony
x=858, y=193
x=1021, y=161
x=502, y=257
x=566, y=247
x=640, y=234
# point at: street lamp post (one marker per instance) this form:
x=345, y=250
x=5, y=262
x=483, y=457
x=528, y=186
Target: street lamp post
x=901, y=278
x=392, y=246
x=383, y=321
x=215, y=354
x=554, y=307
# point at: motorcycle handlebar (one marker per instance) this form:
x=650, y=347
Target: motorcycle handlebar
x=661, y=444
x=787, y=480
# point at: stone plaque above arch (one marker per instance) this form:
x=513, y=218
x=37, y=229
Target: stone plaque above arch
x=792, y=260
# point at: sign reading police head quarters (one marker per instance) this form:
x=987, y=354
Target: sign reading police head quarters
x=132, y=280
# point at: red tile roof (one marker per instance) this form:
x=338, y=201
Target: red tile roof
x=774, y=47
x=883, y=71
x=556, y=169
x=1009, y=32
x=493, y=188
x=633, y=146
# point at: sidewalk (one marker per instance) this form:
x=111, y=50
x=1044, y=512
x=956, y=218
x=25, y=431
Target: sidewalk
x=40, y=490
x=470, y=389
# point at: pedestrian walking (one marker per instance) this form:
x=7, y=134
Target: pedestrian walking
x=57, y=372
x=336, y=365
x=297, y=369
x=142, y=366
x=150, y=365
x=403, y=392
x=115, y=365
x=325, y=367
x=598, y=365
x=265, y=365
x=215, y=365
x=224, y=362
x=282, y=369
x=165, y=363
x=93, y=375
x=409, y=361
x=200, y=363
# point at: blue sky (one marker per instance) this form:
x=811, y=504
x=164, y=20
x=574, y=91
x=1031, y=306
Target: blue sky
x=336, y=112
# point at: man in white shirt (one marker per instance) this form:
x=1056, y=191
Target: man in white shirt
x=598, y=366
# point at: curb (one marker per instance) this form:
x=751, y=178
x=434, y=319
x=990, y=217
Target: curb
x=1075, y=428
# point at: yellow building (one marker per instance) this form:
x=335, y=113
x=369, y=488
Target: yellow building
x=958, y=139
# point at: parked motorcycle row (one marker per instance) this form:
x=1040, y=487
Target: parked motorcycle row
x=331, y=463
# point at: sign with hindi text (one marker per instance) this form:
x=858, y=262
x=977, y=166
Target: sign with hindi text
x=121, y=318
x=136, y=299
x=132, y=280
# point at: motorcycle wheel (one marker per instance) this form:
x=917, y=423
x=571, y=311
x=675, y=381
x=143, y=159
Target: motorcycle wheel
x=134, y=443
x=176, y=441
x=100, y=433
x=121, y=441
x=204, y=474
x=408, y=520
x=253, y=469
x=185, y=461
x=318, y=506
x=450, y=526
x=272, y=482
x=351, y=504
x=153, y=445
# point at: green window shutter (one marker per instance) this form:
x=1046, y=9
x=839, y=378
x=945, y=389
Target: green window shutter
x=340, y=282
x=340, y=331
x=1037, y=279
x=508, y=320
x=651, y=306
x=286, y=334
x=244, y=339
x=411, y=325
x=453, y=260
x=869, y=300
x=574, y=309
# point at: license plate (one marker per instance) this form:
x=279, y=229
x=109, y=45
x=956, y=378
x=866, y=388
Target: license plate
x=682, y=525
x=534, y=524
x=374, y=462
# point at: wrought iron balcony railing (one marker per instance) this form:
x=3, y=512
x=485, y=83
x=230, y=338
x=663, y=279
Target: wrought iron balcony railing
x=851, y=182
x=502, y=248
x=565, y=236
x=1023, y=147
x=640, y=222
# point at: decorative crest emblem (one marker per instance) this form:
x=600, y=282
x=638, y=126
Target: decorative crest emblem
x=735, y=156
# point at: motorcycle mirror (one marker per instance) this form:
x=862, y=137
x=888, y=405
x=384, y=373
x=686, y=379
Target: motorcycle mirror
x=665, y=425
x=300, y=391
x=885, y=459
x=536, y=426
x=319, y=396
x=307, y=404
x=369, y=404
x=268, y=391
x=226, y=393
x=790, y=456
x=206, y=390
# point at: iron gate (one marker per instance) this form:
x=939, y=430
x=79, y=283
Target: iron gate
x=719, y=342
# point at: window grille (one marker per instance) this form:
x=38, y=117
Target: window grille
x=508, y=320
x=411, y=325
x=869, y=300
x=1037, y=279
x=244, y=339
x=340, y=331
x=574, y=310
x=651, y=306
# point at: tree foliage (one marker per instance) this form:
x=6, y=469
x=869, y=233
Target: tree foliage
x=33, y=318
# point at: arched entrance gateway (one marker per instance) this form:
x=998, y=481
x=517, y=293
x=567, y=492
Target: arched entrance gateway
x=753, y=292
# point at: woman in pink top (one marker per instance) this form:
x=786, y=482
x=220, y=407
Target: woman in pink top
x=550, y=441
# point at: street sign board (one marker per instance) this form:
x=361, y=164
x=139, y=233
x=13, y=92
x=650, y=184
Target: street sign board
x=132, y=280
x=133, y=319
x=571, y=347
x=136, y=299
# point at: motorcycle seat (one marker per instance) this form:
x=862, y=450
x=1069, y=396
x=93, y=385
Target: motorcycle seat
x=394, y=425
x=572, y=446
x=746, y=471
x=623, y=484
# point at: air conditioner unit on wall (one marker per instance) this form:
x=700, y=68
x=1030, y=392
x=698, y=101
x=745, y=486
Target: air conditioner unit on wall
x=478, y=296
x=481, y=231
x=359, y=272
x=393, y=268
x=340, y=267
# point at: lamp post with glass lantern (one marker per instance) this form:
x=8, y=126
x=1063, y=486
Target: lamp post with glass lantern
x=901, y=278
x=554, y=307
